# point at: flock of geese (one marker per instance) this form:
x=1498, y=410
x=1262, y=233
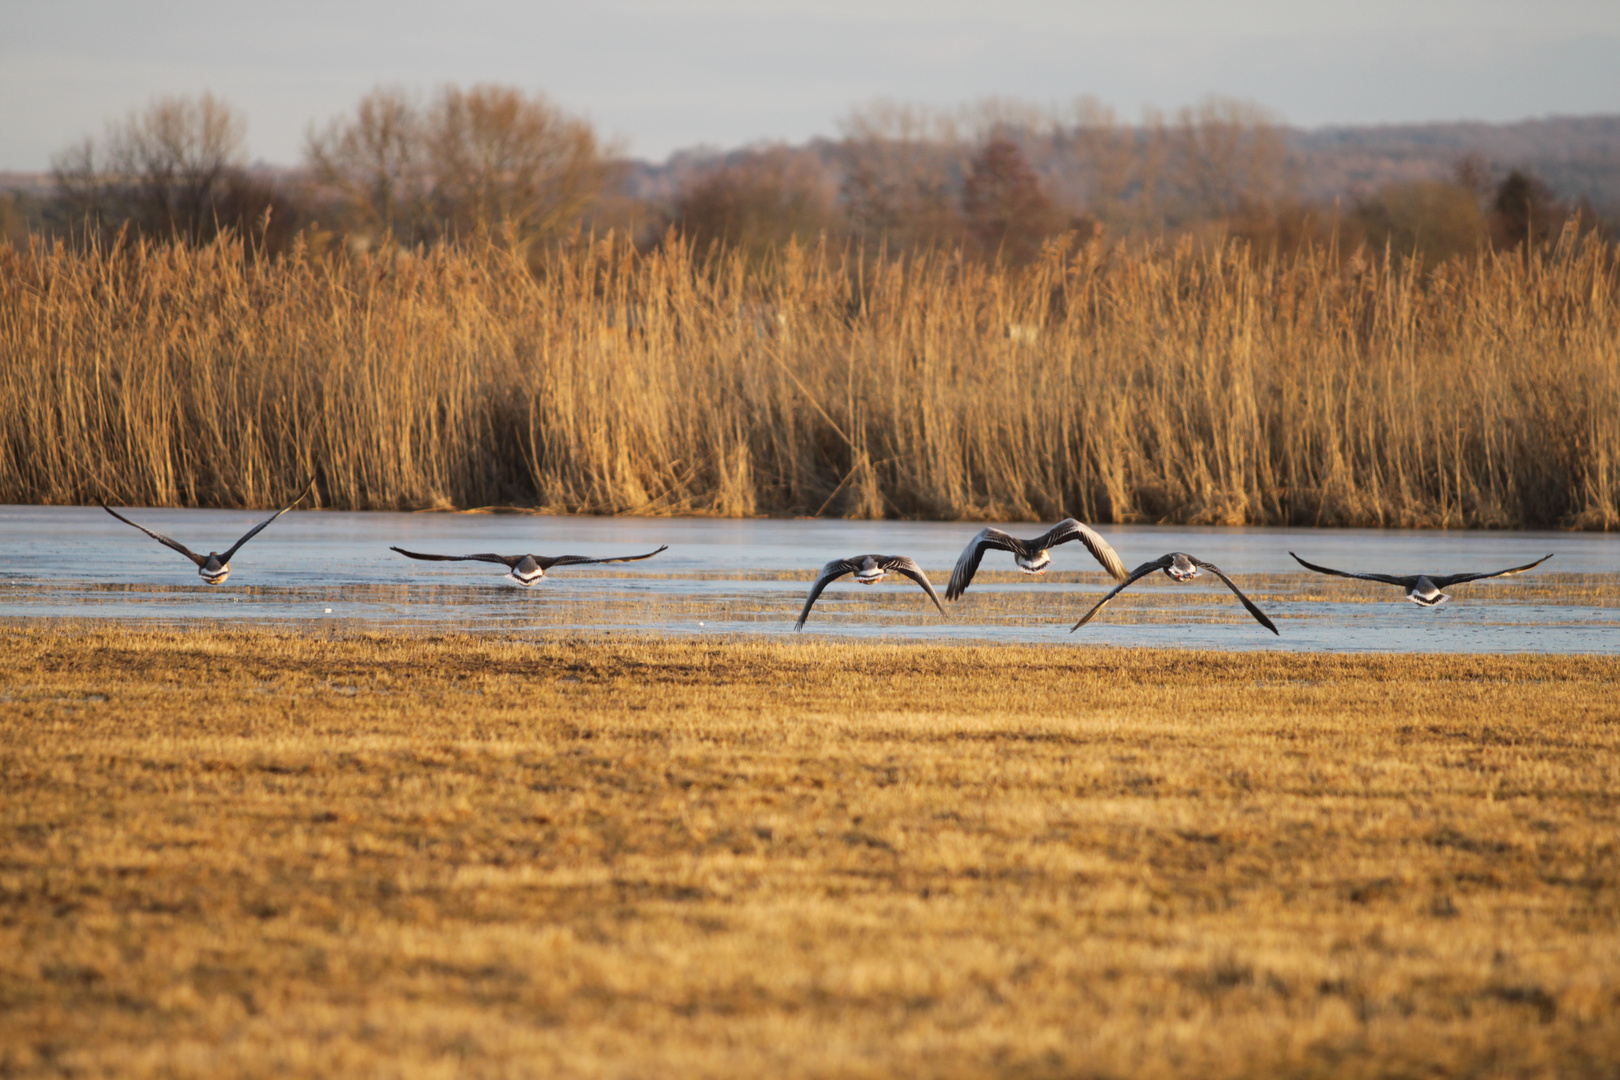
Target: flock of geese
x=1032, y=556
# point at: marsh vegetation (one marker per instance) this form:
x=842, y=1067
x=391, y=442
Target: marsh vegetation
x=1185, y=384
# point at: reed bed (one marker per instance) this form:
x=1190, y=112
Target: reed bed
x=1185, y=384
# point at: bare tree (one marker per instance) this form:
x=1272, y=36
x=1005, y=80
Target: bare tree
x=168, y=169
x=1229, y=158
x=1097, y=159
x=375, y=162
x=84, y=191
x=500, y=158
x=902, y=167
x=481, y=160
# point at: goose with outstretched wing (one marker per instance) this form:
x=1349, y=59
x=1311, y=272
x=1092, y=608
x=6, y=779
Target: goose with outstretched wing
x=1032, y=556
x=868, y=570
x=1423, y=588
x=214, y=567
x=526, y=570
x=1179, y=566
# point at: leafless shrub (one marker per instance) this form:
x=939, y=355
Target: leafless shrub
x=757, y=203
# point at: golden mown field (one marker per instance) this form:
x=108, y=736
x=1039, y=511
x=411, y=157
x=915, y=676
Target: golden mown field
x=264, y=854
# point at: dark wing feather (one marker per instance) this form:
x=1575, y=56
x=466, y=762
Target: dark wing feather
x=1070, y=529
x=508, y=561
x=1458, y=579
x=251, y=533
x=1136, y=575
x=1388, y=579
x=581, y=560
x=967, y=564
x=1259, y=615
x=159, y=537
x=829, y=573
x=900, y=564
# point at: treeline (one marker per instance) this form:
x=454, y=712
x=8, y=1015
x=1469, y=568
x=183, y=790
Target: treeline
x=1186, y=383
x=996, y=182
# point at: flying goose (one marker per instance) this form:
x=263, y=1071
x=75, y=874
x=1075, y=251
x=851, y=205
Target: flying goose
x=1423, y=588
x=1032, y=556
x=526, y=570
x=1181, y=567
x=868, y=570
x=213, y=568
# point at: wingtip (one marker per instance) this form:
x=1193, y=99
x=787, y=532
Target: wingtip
x=303, y=493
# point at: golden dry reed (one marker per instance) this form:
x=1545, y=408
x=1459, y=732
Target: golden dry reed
x=1186, y=384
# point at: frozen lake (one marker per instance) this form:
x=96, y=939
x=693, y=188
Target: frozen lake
x=749, y=577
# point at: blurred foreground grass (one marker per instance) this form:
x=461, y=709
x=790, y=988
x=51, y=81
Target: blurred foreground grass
x=264, y=854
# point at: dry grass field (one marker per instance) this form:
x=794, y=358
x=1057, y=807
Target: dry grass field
x=1192, y=384
x=261, y=854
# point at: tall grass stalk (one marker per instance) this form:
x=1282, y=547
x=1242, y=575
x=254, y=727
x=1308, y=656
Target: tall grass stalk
x=1188, y=385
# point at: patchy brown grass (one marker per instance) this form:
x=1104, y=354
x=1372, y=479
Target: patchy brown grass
x=260, y=854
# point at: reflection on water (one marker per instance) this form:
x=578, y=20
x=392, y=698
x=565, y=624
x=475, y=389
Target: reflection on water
x=749, y=577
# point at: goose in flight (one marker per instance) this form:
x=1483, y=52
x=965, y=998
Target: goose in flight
x=213, y=568
x=526, y=570
x=868, y=570
x=1032, y=556
x=1423, y=588
x=1181, y=567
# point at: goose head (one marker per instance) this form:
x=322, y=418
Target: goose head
x=1182, y=568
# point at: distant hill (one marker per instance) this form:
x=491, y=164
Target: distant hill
x=1578, y=156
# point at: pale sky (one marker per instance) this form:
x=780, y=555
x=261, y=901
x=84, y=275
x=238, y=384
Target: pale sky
x=660, y=75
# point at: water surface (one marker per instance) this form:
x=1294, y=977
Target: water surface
x=749, y=577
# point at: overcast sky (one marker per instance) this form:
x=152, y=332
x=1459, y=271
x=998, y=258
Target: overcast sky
x=665, y=74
